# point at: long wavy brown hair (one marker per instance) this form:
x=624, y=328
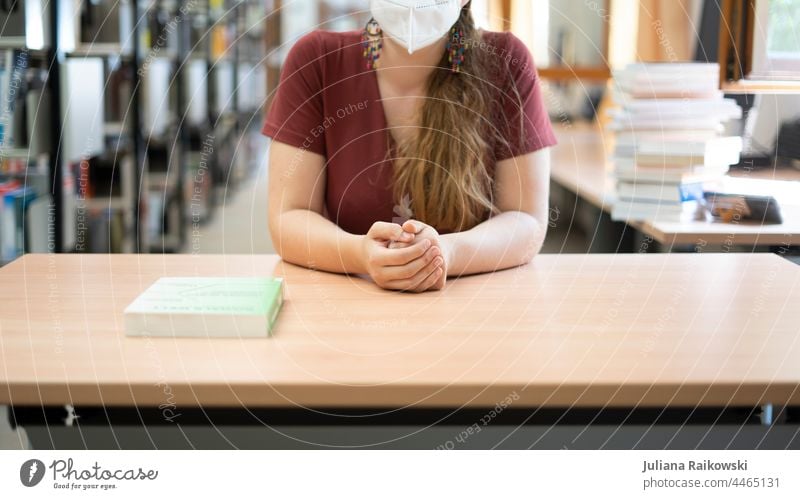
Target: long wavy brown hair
x=444, y=173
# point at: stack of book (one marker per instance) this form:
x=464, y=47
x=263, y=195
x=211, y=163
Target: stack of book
x=669, y=138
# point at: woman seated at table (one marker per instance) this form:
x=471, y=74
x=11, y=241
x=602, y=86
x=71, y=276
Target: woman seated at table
x=412, y=151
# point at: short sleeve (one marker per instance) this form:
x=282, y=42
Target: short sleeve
x=525, y=120
x=296, y=112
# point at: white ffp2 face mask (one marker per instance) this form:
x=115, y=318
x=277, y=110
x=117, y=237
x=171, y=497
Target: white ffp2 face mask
x=416, y=24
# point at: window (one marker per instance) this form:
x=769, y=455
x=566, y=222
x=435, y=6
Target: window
x=569, y=39
x=776, y=40
x=759, y=46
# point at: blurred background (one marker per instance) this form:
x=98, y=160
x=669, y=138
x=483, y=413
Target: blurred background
x=133, y=125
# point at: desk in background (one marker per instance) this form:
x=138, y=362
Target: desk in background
x=642, y=339
x=580, y=167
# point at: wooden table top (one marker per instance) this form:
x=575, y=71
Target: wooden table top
x=579, y=164
x=567, y=330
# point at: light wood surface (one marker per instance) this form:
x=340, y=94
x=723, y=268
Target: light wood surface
x=566, y=330
x=580, y=164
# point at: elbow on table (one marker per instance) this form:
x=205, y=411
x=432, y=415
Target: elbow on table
x=534, y=233
x=289, y=254
x=279, y=241
x=273, y=224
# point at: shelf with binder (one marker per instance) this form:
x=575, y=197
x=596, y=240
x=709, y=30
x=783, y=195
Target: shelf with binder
x=95, y=40
x=22, y=165
x=115, y=129
x=105, y=192
x=163, y=214
x=105, y=230
x=100, y=28
x=288, y=20
x=25, y=150
x=162, y=222
x=108, y=203
x=198, y=135
x=118, y=94
x=26, y=24
x=162, y=155
x=24, y=211
x=104, y=25
x=221, y=85
x=15, y=153
x=198, y=187
x=157, y=29
x=82, y=117
x=22, y=129
x=251, y=85
x=99, y=50
x=188, y=115
x=74, y=102
x=343, y=15
x=224, y=36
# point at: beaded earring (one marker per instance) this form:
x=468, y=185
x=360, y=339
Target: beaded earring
x=372, y=41
x=456, y=48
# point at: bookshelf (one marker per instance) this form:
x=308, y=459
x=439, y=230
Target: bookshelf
x=28, y=157
x=154, y=103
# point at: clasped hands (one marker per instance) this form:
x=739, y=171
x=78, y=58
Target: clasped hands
x=410, y=257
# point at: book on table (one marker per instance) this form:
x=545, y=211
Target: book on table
x=670, y=127
x=217, y=307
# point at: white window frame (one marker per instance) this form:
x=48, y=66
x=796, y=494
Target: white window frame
x=765, y=65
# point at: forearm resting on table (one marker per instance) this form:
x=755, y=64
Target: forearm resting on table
x=304, y=237
x=507, y=240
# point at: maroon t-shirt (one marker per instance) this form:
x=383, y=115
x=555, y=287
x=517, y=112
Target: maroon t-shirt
x=329, y=103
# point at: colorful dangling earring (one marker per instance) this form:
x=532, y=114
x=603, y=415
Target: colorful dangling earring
x=456, y=48
x=372, y=41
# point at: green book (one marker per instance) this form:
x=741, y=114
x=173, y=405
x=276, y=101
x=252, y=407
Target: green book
x=207, y=307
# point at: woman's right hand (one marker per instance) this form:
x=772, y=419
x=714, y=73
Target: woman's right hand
x=416, y=267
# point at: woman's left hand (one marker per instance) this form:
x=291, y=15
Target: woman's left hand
x=424, y=231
